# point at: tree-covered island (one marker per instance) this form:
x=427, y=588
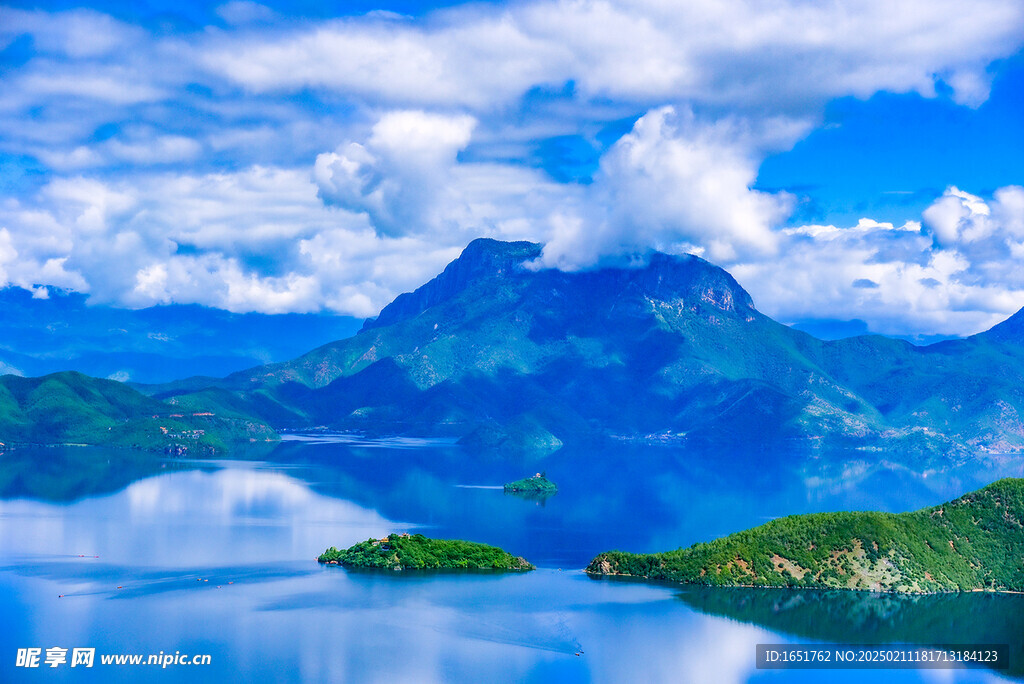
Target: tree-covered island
x=416, y=552
x=974, y=543
x=538, y=484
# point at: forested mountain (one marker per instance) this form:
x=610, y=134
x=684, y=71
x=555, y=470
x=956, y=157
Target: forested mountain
x=504, y=354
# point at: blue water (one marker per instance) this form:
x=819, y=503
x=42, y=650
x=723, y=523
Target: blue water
x=218, y=558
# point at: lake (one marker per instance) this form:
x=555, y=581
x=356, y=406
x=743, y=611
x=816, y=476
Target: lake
x=218, y=557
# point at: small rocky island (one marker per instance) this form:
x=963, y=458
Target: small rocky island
x=538, y=484
x=974, y=543
x=416, y=552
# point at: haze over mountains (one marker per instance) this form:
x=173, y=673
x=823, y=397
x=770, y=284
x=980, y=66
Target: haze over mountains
x=503, y=355
x=157, y=344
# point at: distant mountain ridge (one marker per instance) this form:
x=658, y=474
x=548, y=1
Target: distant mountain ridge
x=505, y=355
x=65, y=332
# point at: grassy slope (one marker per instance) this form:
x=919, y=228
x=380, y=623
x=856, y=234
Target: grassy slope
x=73, y=408
x=416, y=552
x=973, y=543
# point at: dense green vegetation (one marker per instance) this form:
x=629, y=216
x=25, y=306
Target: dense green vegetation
x=973, y=543
x=516, y=360
x=416, y=552
x=71, y=408
x=537, y=484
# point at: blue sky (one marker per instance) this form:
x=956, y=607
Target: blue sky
x=889, y=156
x=848, y=161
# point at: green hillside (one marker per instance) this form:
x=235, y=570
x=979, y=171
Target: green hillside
x=71, y=408
x=973, y=543
x=510, y=358
x=416, y=552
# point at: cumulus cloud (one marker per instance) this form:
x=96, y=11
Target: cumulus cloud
x=674, y=185
x=988, y=233
x=406, y=178
x=213, y=277
x=396, y=177
x=278, y=164
x=259, y=239
x=1008, y=210
x=956, y=274
x=228, y=240
x=957, y=217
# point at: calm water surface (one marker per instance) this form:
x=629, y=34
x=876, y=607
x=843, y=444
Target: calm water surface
x=218, y=557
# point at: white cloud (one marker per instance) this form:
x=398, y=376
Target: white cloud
x=397, y=175
x=64, y=160
x=674, y=185
x=261, y=238
x=958, y=274
x=117, y=86
x=7, y=253
x=28, y=257
x=476, y=63
x=782, y=56
x=255, y=240
x=957, y=217
x=406, y=178
x=1008, y=210
x=214, y=278
x=212, y=193
x=985, y=232
x=77, y=33
x=160, y=149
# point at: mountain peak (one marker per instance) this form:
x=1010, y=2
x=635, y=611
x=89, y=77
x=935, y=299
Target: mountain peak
x=668, y=277
x=481, y=258
x=659, y=276
x=489, y=250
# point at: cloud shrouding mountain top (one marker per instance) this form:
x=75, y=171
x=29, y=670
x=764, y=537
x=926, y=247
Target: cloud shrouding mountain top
x=278, y=165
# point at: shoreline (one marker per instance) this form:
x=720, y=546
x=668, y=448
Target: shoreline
x=681, y=583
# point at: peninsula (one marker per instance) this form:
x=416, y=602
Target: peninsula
x=973, y=543
x=416, y=552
